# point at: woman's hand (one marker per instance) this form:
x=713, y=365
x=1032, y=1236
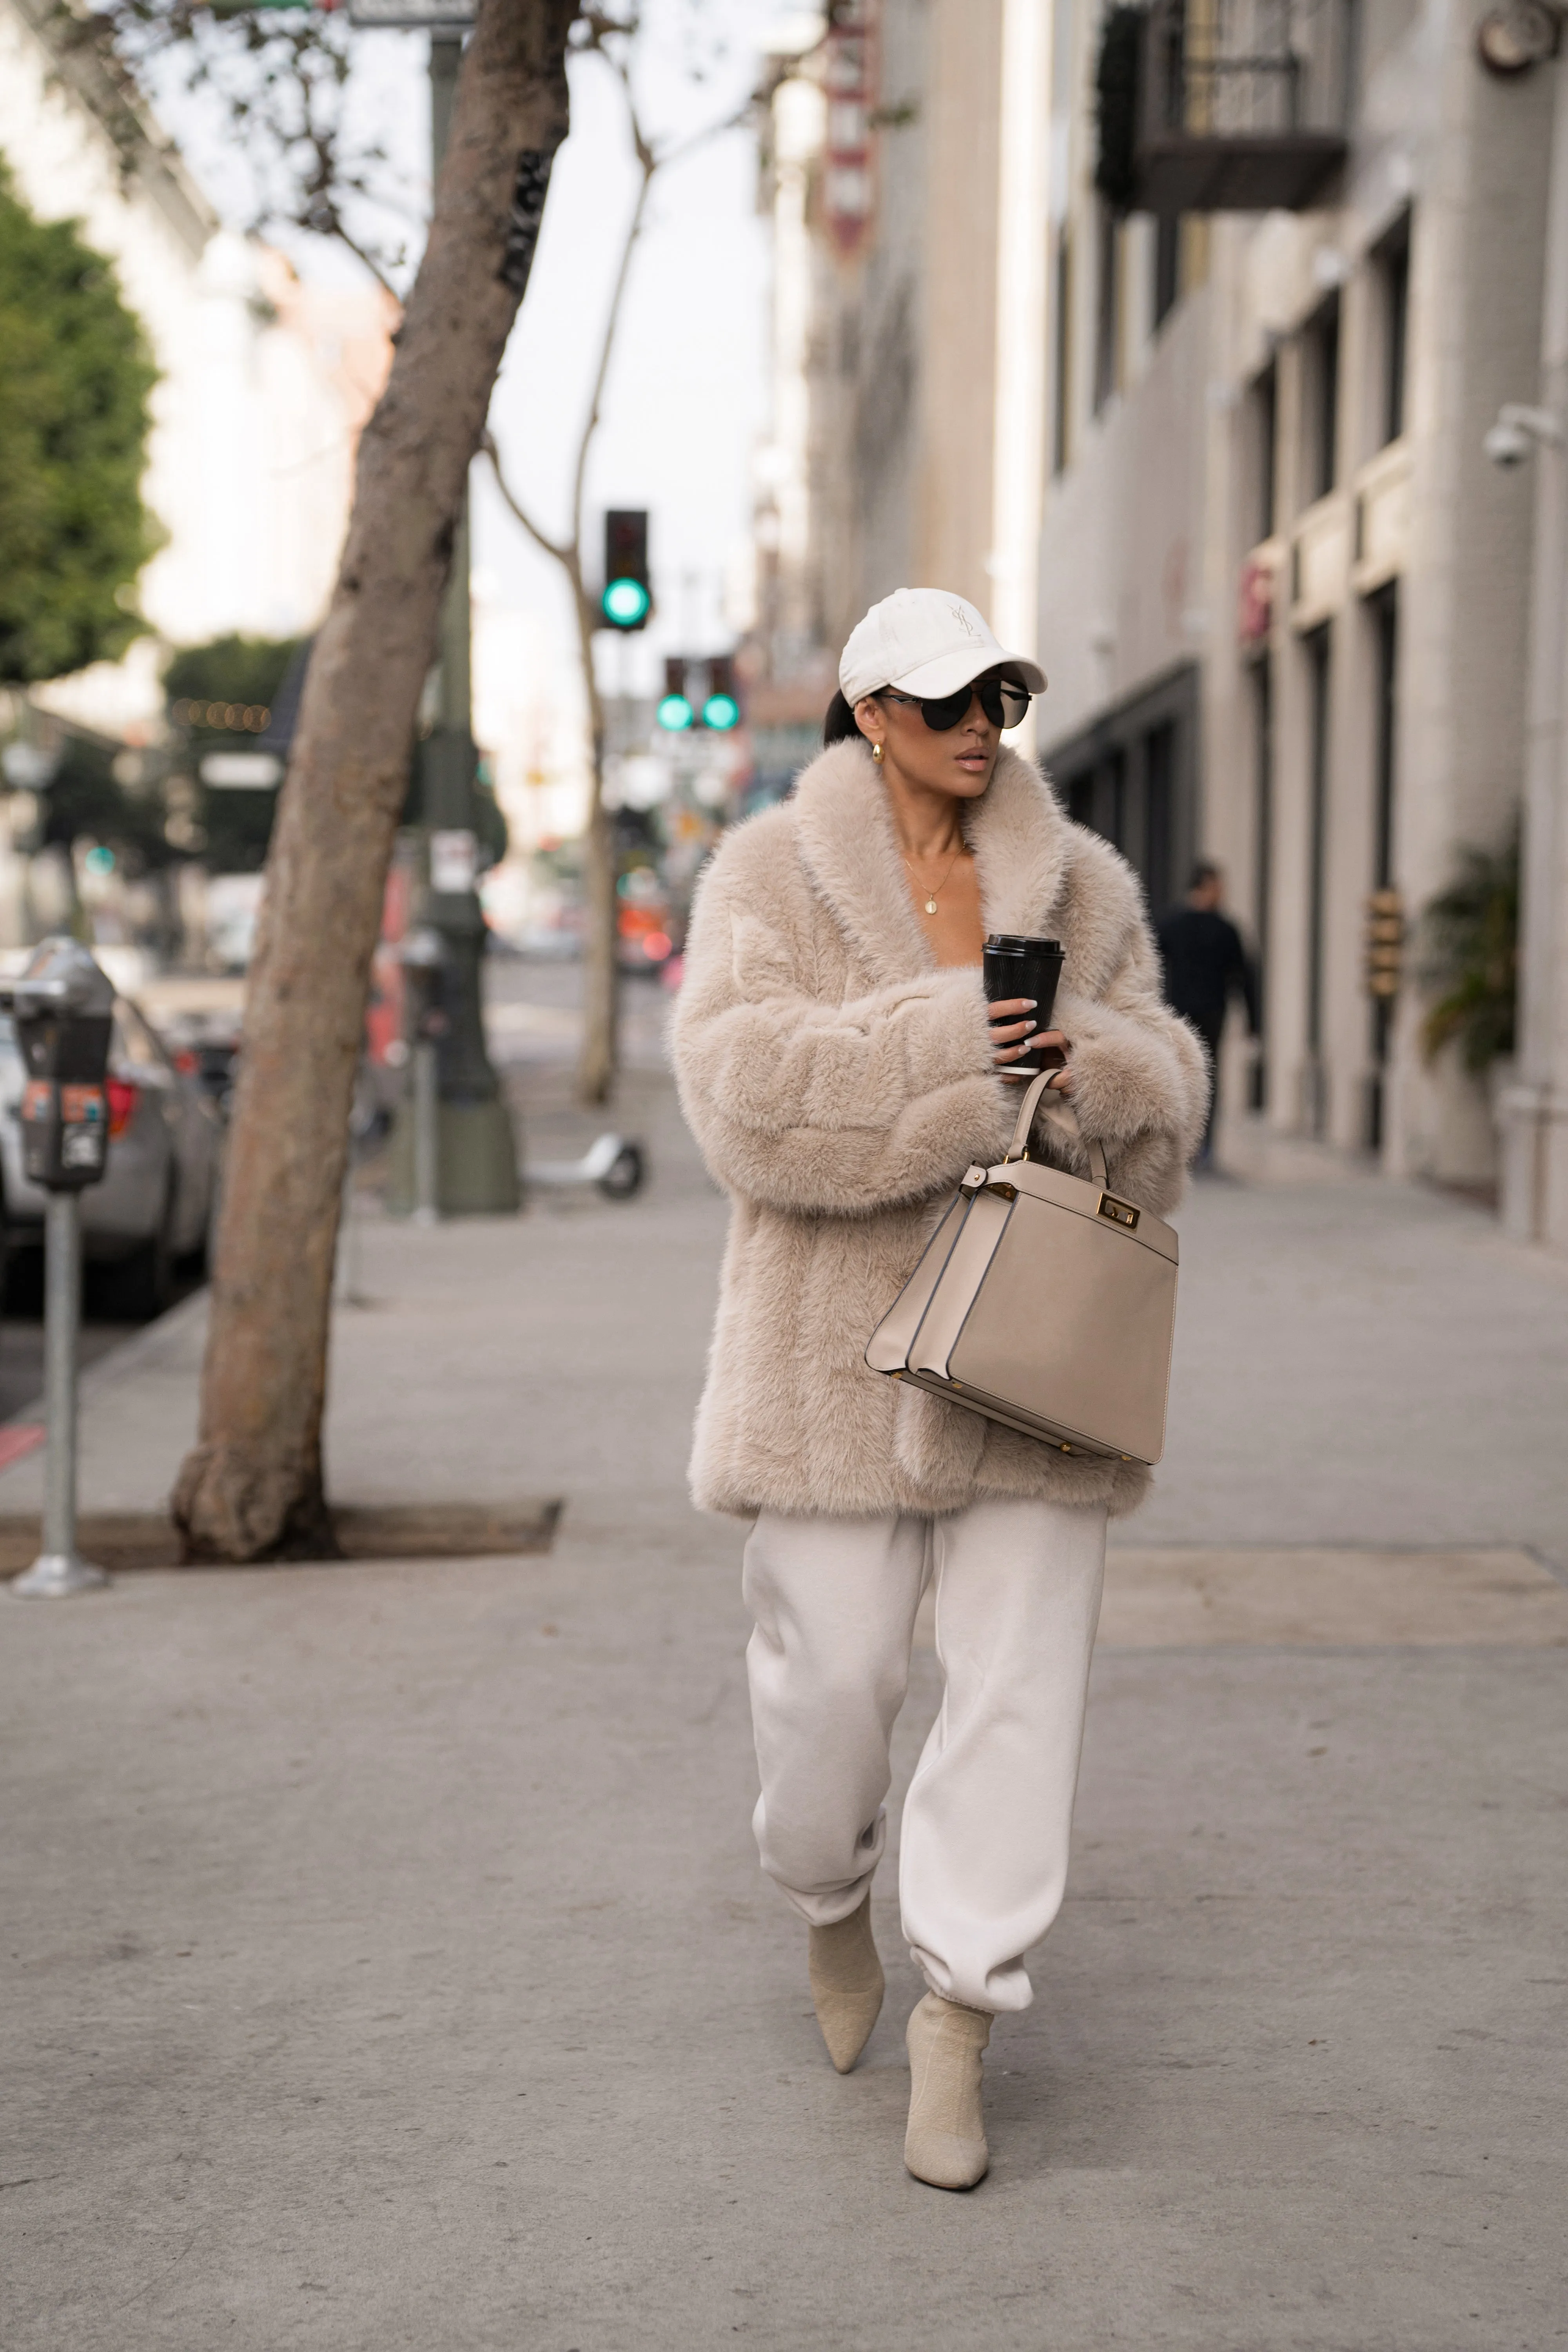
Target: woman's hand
x=1014, y=1035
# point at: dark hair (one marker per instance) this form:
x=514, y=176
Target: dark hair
x=839, y=727
x=1205, y=870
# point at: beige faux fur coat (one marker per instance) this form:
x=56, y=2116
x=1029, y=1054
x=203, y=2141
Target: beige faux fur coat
x=839, y=1085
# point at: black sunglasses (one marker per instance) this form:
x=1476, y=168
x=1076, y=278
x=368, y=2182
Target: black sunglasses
x=1004, y=702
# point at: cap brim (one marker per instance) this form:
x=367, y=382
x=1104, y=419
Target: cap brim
x=950, y=671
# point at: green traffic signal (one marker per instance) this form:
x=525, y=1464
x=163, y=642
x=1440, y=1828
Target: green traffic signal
x=625, y=603
x=720, y=711
x=675, y=712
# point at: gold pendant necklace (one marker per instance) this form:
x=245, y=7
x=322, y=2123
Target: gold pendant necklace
x=930, y=902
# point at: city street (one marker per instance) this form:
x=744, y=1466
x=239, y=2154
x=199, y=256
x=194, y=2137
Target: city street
x=512, y=511
x=388, y=1963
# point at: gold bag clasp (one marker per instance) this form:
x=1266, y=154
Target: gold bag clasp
x=1121, y=1213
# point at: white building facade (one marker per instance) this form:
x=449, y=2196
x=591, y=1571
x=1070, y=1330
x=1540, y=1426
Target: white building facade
x=1283, y=593
x=1172, y=339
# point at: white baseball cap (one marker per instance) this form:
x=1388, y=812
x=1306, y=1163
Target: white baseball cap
x=927, y=641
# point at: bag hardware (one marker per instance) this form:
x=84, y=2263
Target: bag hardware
x=1121, y=1212
x=1037, y=1325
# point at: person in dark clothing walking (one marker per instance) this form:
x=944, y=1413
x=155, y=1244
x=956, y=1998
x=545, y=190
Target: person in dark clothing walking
x=1205, y=964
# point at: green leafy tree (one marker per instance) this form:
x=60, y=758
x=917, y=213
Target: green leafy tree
x=74, y=378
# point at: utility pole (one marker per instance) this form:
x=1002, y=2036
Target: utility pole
x=477, y=1150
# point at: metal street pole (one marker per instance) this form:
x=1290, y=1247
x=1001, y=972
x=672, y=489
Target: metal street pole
x=476, y=1150
x=59, y=1568
x=426, y=1135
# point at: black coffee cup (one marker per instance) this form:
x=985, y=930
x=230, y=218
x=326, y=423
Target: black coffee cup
x=1016, y=966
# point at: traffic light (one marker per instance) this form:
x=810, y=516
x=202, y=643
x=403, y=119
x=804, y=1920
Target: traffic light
x=720, y=710
x=1384, y=942
x=674, y=711
x=628, y=599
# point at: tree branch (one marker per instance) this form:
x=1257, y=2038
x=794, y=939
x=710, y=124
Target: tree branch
x=541, y=538
x=685, y=147
x=606, y=349
x=650, y=163
x=361, y=254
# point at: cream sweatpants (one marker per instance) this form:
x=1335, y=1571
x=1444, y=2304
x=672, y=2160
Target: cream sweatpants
x=989, y=1812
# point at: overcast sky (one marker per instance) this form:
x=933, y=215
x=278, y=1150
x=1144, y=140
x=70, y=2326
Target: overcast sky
x=683, y=408
x=684, y=404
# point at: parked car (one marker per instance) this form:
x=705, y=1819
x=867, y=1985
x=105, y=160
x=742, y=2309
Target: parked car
x=204, y=1045
x=156, y=1202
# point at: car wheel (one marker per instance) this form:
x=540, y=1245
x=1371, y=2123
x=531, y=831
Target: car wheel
x=624, y=1175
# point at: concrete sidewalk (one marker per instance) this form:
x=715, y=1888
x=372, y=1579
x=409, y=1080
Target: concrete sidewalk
x=388, y=1964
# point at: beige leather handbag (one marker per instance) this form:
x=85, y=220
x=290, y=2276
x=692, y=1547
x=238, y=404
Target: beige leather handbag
x=1043, y=1302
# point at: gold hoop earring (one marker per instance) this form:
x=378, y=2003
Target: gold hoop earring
x=877, y=753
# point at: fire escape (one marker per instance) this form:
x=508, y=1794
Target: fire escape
x=1210, y=106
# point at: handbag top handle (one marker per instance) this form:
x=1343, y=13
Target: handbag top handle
x=1019, y=1147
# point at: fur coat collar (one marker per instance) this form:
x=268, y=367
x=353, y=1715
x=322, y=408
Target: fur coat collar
x=1020, y=839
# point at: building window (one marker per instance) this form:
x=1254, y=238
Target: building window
x=1132, y=778
x=1061, y=358
x=1167, y=266
x=1107, y=307
x=1263, y=415
x=1315, y=1093
x=1393, y=265
x=1321, y=400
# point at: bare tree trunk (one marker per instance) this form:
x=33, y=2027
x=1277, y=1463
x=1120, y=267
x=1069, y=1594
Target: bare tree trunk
x=252, y=1487
x=598, y=1063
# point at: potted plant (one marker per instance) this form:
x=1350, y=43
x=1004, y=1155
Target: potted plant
x=1470, y=934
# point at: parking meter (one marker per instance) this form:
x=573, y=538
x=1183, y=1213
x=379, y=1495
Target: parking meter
x=63, y=1006
x=425, y=961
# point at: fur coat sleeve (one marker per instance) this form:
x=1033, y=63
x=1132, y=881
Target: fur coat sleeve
x=1140, y=1080
x=804, y=1099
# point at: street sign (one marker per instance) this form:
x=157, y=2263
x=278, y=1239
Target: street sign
x=241, y=771
x=431, y=15
x=453, y=858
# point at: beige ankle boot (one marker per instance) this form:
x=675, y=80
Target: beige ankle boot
x=945, y=2143
x=847, y=1984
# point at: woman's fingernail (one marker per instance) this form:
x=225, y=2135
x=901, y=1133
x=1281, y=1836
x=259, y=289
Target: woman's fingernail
x=1031, y=1024
x=1029, y=1003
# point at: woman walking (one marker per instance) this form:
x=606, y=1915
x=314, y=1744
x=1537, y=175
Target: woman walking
x=840, y=1071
